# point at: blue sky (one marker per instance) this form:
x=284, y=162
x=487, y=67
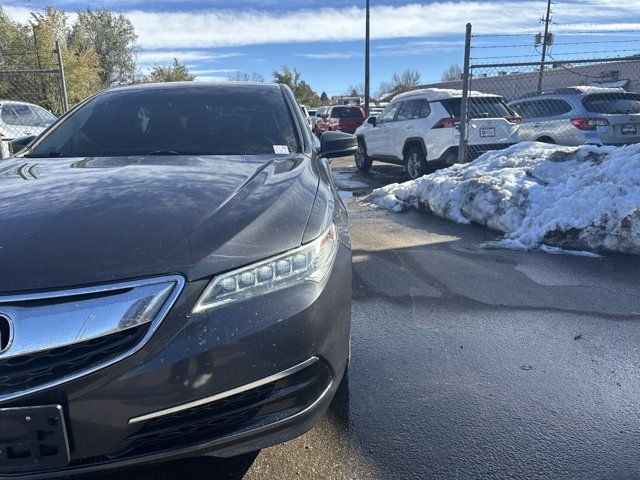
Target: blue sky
x=323, y=39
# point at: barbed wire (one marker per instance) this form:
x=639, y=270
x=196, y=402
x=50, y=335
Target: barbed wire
x=556, y=33
x=525, y=45
x=20, y=54
x=575, y=60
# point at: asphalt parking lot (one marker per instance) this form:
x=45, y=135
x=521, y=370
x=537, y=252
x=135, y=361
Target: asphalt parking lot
x=467, y=362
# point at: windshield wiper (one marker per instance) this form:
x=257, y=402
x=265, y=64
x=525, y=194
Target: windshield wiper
x=163, y=152
x=48, y=155
x=184, y=152
x=173, y=152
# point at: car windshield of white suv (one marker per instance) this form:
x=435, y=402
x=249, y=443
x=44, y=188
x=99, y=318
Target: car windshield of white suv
x=174, y=122
x=612, y=103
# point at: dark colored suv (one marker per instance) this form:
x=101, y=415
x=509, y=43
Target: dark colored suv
x=340, y=118
x=176, y=279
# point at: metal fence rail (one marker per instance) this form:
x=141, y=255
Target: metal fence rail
x=573, y=101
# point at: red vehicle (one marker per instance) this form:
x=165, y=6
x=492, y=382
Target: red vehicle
x=343, y=118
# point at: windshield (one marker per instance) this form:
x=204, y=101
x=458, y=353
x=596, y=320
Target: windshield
x=347, y=112
x=198, y=121
x=612, y=103
x=21, y=114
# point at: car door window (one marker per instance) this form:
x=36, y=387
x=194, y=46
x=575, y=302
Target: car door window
x=558, y=107
x=407, y=110
x=388, y=114
x=528, y=109
x=425, y=109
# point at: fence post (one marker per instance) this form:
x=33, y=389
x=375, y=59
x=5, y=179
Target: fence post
x=63, y=82
x=462, y=149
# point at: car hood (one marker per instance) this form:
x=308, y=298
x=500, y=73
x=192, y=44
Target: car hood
x=67, y=222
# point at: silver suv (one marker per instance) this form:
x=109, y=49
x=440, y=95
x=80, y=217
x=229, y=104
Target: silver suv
x=580, y=115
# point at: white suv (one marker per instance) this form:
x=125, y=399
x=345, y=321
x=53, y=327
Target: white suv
x=580, y=115
x=421, y=129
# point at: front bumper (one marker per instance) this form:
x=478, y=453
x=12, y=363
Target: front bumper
x=224, y=382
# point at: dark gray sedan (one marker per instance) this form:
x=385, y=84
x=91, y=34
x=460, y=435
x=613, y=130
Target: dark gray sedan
x=176, y=279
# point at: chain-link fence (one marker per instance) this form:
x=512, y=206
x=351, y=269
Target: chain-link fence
x=568, y=101
x=30, y=99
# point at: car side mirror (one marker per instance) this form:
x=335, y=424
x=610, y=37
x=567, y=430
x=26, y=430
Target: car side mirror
x=20, y=143
x=372, y=120
x=337, y=144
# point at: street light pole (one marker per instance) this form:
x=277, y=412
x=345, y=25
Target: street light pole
x=366, y=64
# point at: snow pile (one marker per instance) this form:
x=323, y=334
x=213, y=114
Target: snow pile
x=539, y=195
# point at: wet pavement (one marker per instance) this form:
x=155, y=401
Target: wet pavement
x=468, y=363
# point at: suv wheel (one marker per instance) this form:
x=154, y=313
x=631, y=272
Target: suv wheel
x=363, y=162
x=414, y=163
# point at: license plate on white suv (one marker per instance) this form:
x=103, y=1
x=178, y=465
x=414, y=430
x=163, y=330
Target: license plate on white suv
x=487, y=132
x=629, y=129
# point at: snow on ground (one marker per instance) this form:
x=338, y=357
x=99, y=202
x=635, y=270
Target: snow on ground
x=541, y=196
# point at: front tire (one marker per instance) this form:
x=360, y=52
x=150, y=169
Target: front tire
x=363, y=162
x=415, y=163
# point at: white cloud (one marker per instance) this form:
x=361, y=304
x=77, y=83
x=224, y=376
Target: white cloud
x=154, y=57
x=223, y=28
x=206, y=72
x=17, y=14
x=329, y=55
x=211, y=28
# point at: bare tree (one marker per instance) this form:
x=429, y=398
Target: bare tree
x=454, y=72
x=246, y=77
x=355, y=90
x=385, y=88
x=405, y=81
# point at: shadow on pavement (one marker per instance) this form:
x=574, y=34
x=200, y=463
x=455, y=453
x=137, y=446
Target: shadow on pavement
x=198, y=468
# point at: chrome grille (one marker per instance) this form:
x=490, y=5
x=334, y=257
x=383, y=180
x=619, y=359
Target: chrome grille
x=62, y=335
x=28, y=371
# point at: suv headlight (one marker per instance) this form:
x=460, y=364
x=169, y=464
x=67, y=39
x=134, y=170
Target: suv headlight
x=308, y=263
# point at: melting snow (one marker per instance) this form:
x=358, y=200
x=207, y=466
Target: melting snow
x=541, y=196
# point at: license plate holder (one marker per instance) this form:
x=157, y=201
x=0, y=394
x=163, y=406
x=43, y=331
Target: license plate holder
x=629, y=129
x=487, y=132
x=32, y=439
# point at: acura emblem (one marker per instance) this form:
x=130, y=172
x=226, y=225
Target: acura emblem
x=5, y=333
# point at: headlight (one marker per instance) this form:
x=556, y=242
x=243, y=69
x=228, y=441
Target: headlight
x=308, y=263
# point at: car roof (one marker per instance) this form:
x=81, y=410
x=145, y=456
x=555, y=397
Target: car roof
x=434, y=94
x=19, y=102
x=195, y=85
x=567, y=91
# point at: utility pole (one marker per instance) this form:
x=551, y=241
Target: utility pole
x=366, y=64
x=545, y=41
